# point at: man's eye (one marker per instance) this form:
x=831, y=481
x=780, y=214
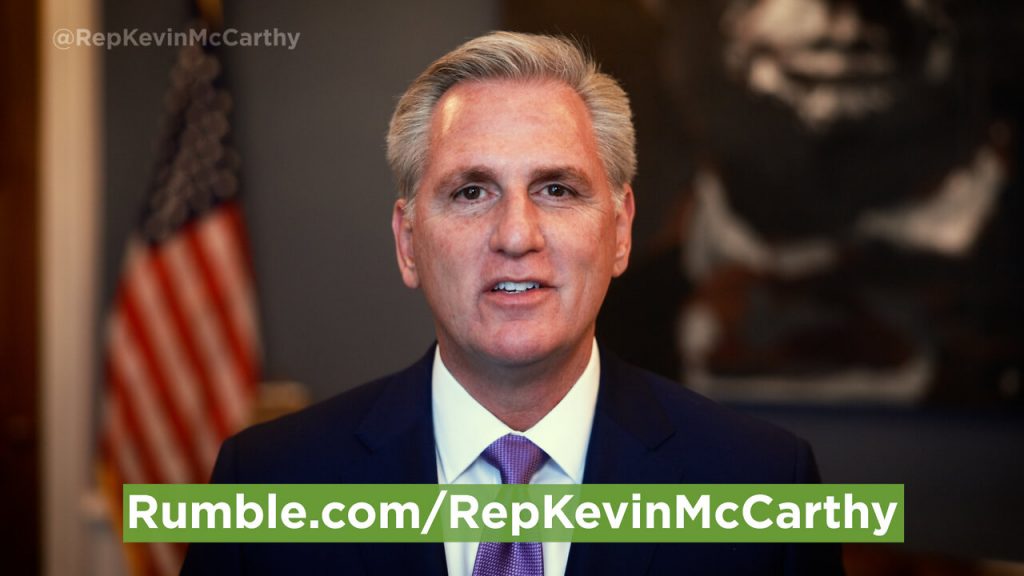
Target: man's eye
x=557, y=190
x=469, y=193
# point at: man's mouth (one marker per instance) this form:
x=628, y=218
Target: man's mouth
x=515, y=287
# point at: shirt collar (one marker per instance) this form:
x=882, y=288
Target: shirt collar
x=463, y=428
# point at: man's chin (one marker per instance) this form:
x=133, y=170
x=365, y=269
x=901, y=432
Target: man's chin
x=516, y=353
x=527, y=349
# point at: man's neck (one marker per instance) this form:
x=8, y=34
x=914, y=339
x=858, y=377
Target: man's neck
x=519, y=395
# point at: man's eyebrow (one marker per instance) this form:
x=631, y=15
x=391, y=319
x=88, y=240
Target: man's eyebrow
x=561, y=173
x=466, y=174
x=483, y=174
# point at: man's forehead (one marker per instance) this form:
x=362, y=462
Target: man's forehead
x=509, y=97
x=513, y=129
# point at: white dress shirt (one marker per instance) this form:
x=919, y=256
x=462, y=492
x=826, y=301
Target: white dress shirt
x=463, y=429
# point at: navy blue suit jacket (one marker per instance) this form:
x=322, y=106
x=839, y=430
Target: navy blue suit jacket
x=647, y=430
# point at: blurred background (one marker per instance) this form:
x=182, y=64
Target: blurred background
x=827, y=236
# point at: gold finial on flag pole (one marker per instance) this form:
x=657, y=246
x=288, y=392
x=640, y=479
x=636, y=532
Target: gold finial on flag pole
x=212, y=13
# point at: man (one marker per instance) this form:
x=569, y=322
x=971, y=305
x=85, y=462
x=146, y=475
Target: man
x=514, y=157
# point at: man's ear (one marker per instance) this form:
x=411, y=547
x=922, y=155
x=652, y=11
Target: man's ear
x=623, y=231
x=401, y=226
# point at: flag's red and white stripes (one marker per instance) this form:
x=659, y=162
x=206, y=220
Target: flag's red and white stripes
x=182, y=357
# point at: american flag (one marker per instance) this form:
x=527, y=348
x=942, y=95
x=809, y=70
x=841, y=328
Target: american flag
x=182, y=341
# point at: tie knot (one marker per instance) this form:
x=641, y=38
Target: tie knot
x=516, y=458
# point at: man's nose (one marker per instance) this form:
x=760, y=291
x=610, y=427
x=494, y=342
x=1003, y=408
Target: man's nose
x=518, y=230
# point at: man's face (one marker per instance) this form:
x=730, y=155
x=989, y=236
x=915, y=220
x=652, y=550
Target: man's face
x=515, y=234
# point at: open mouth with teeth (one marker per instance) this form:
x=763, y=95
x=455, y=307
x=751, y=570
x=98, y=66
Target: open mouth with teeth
x=515, y=287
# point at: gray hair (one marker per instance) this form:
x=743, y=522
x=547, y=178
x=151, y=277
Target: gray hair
x=514, y=56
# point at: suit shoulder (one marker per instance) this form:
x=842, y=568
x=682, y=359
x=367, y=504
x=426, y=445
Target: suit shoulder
x=310, y=445
x=339, y=413
x=733, y=446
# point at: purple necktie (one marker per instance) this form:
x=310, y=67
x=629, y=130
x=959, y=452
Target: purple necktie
x=517, y=459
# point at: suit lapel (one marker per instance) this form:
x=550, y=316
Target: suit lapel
x=399, y=436
x=629, y=427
